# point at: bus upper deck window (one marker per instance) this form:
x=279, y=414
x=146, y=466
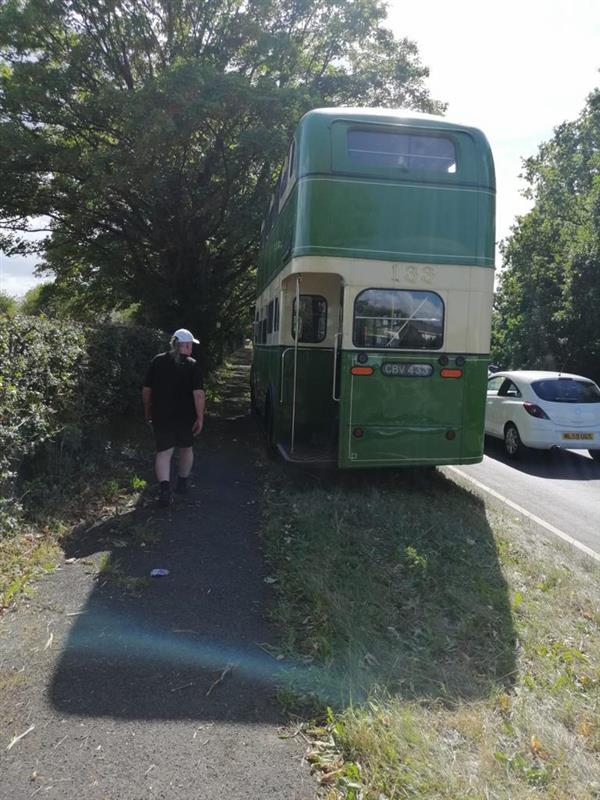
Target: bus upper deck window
x=406, y=151
x=398, y=319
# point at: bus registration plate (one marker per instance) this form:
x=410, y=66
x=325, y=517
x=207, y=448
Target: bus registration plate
x=578, y=436
x=392, y=369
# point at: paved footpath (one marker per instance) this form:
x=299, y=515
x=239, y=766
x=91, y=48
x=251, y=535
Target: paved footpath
x=163, y=691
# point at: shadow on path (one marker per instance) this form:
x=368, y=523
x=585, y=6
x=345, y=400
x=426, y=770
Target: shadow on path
x=189, y=644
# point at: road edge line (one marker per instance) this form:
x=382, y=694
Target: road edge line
x=527, y=514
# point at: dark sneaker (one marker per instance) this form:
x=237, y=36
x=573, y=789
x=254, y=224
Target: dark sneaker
x=164, y=497
x=182, y=485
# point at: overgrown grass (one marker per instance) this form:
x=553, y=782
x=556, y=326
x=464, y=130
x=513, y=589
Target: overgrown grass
x=460, y=654
x=112, y=572
x=72, y=490
x=23, y=558
x=228, y=388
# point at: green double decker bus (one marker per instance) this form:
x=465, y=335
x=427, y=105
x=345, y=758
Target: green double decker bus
x=375, y=285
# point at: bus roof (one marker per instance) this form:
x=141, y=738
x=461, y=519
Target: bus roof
x=315, y=130
x=399, y=116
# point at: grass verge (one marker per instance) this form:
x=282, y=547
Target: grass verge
x=69, y=493
x=456, y=655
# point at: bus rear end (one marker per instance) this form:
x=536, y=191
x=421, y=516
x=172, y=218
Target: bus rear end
x=410, y=410
x=412, y=370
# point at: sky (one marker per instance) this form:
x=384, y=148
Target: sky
x=516, y=69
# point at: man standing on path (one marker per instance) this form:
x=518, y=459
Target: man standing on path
x=173, y=397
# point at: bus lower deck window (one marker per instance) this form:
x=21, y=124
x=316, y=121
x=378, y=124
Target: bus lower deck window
x=398, y=319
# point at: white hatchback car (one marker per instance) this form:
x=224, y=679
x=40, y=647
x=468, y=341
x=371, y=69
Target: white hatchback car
x=527, y=408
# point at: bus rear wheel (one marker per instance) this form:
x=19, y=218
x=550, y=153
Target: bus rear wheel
x=513, y=446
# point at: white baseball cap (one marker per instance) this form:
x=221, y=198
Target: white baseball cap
x=183, y=335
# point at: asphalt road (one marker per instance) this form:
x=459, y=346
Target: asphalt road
x=561, y=487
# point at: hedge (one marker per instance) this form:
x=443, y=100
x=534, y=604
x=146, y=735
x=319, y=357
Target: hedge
x=61, y=379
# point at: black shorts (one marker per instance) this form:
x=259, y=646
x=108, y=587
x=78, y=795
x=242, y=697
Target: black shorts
x=173, y=434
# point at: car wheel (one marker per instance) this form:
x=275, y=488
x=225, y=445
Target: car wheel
x=595, y=454
x=513, y=446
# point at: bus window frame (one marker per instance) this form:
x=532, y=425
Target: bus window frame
x=293, y=319
x=342, y=164
x=400, y=349
x=270, y=316
x=410, y=137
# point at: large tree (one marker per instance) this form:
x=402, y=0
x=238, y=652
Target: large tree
x=148, y=133
x=548, y=304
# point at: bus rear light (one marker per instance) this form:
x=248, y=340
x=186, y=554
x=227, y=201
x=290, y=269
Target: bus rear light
x=450, y=435
x=362, y=370
x=535, y=411
x=451, y=373
x=358, y=433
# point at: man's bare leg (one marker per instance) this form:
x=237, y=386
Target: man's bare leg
x=162, y=465
x=186, y=461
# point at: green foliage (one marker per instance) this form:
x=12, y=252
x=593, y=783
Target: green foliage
x=41, y=299
x=59, y=382
x=8, y=304
x=39, y=371
x=151, y=134
x=546, y=308
x=117, y=357
x=22, y=559
x=138, y=484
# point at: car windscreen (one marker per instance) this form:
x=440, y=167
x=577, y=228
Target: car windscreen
x=566, y=390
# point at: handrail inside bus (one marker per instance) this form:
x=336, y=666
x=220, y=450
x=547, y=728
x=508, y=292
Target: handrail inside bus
x=336, y=339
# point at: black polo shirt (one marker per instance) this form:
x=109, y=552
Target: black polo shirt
x=172, y=387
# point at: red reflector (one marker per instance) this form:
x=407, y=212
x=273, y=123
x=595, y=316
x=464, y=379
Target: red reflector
x=362, y=370
x=358, y=432
x=450, y=435
x=451, y=373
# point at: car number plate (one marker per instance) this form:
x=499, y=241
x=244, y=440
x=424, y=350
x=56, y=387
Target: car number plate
x=578, y=436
